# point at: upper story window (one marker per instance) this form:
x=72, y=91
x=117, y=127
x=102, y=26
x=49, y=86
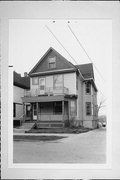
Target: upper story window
x=88, y=88
x=58, y=81
x=42, y=83
x=52, y=62
x=35, y=81
x=88, y=108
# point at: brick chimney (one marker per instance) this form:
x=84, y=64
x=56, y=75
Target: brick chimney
x=25, y=74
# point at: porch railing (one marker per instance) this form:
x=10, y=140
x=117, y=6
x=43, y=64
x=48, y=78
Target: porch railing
x=51, y=117
x=47, y=91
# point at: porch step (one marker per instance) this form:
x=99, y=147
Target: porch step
x=49, y=124
x=27, y=125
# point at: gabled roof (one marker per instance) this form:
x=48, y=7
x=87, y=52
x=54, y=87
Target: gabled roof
x=69, y=64
x=86, y=70
x=87, y=73
x=22, y=82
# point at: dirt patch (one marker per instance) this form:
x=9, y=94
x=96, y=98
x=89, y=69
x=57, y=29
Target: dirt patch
x=59, y=130
x=36, y=138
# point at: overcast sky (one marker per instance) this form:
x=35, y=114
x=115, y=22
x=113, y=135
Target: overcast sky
x=30, y=39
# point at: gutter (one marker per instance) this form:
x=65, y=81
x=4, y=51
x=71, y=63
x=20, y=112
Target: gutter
x=53, y=72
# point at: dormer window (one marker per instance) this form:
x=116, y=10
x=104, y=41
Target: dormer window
x=52, y=62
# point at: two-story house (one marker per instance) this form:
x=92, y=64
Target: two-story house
x=61, y=93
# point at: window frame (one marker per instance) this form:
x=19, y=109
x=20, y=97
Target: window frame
x=42, y=85
x=86, y=88
x=88, y=105
x=52, y=62
x=33, y=82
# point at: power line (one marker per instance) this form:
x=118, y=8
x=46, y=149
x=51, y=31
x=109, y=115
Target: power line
x=63, y=47
x=60, y=42
x=87, y=56
x=85, y=51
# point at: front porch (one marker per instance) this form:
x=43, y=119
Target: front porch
x=48, y=111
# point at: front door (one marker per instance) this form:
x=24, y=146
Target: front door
x=35, y=111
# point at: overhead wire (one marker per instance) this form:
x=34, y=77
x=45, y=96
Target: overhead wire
x=85, y=51
x=70, y=54
x=63, y=48
x=87, y=55
x=60, y=43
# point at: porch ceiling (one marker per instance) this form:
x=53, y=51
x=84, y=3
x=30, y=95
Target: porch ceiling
x=43, y=99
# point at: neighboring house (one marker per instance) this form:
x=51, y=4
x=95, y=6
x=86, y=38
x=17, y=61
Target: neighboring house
x=21, y=84
x=61, y=93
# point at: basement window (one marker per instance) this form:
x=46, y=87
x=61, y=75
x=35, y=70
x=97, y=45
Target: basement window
x=88, y=108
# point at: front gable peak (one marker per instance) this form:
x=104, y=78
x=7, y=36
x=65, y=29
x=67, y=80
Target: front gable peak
x=51, y=61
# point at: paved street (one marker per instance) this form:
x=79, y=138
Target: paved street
x=75, y=148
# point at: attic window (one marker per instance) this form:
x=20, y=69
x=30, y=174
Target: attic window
x=52, y=62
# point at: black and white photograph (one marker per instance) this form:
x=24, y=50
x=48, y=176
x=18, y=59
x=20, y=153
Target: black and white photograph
x=59, y=90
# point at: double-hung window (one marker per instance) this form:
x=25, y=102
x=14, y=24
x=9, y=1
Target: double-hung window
x=88, y=88
x=52, y=62
x=88, y=108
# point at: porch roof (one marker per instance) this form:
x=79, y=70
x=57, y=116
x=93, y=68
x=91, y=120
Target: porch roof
x=45, y=99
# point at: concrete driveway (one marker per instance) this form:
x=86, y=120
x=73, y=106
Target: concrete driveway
x=87, y=147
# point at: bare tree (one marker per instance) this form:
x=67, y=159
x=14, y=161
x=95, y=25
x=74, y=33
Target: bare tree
x=101, y=105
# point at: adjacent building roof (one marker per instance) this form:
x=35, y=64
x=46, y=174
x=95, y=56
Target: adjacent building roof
x=23, y=82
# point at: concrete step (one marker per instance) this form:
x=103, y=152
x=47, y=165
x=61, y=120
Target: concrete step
x=27, y=125
x=49, y=124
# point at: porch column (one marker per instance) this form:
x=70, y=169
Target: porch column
x=37, y=111
x=63, y=109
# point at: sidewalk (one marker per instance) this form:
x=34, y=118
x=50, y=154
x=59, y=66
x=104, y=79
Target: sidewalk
x=21, y=133
x=87, y=147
